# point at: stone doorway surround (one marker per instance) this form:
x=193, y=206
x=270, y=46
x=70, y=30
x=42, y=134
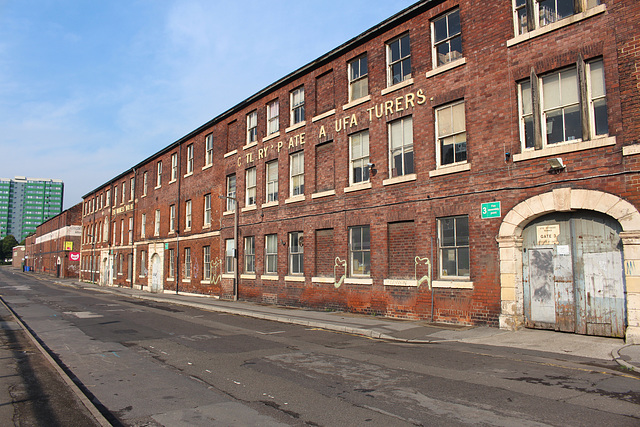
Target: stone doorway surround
x=566, y=200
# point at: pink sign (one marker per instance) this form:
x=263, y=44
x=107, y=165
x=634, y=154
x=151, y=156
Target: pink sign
x=74, y=256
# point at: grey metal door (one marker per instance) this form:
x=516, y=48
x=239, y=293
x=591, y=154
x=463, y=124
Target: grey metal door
x=572, y=271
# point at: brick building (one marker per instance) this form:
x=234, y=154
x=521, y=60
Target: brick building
x=17, y=260
x=54, y=248
x=454, y=163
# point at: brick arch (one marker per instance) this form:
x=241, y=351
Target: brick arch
x=566, y=200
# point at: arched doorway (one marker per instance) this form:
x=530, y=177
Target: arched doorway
x=156, y=274
x=573, y=275
x=585, y=208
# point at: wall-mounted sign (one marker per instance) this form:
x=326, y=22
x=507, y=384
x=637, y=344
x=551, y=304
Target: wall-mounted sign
x=491, y=210
x=548, y=234
x=68, y=246
x=74, y=256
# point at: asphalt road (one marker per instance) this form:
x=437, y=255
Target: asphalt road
x=149, y=364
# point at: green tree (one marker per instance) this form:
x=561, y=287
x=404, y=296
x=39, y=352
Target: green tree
x=6, y=248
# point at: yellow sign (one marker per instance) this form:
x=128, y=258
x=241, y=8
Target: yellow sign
x=68, y=246
x=548, y=234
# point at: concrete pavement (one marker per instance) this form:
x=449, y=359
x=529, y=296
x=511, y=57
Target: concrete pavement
x=408, y=331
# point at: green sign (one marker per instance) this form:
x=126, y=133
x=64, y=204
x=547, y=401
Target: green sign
x=491, y=210
x=166, y=246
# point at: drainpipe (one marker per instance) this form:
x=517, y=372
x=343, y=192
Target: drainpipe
x=177, y=264
x=133, y=227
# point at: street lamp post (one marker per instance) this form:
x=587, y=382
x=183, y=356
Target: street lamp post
x=93, y=246
x=235, y=245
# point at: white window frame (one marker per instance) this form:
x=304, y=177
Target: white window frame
x=296, y=98
x=452, y=55
x=187, y=215
x=130, y=233
x=206, y=262
x=229, y=255
x=108, y=201
x=250, y=184
x=124, y=193
x=535, y=14
x=172, y=218
x=404, y=148
x=401, y=60
x=353, y=250
x=189, y=159
x=296, y=253
x=271, y=183
x=156, y=225
x=187, y=263
x=174, y=167
x=172, y=266
x=457, y=246
x=143, y=263
x=143, y=226
x=132, y=189
x=357, y=78
x=249, y=254
x=594, y=98
x=144, y=183
x=525, y=95
x=252, y=127
x=207, y=210
x=359, y=160
x=159, y=174
x=273, y=117
x=208, y=150
x=232, y=185
x=271, y=257
x=296, y=173
x=455, y=133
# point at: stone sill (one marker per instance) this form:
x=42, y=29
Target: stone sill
x=397, y=86
x=449, y=169
x=453, y=284
x=563, y=148
x=356, y=102
x=446, y=67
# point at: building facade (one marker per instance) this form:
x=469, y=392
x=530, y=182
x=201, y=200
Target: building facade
x=54, y=248
x=453, y=164
x=26, y=203
x=17, y=260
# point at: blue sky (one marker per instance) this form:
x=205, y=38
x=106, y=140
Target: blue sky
x=88, y=88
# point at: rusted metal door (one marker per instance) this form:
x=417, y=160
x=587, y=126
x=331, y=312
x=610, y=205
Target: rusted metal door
x=572, y=271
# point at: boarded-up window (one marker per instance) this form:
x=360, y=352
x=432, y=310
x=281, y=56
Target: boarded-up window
x=325, y=175
x=324, y=253
x=402, y=249
x=325, y=93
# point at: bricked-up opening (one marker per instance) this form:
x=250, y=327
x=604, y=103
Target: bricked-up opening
x=325, y=167
x=325, y=254
x=325, y=92
x=402, y=249
x=234, y=136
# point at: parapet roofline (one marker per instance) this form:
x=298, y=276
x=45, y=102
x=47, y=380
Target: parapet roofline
x=372, y=32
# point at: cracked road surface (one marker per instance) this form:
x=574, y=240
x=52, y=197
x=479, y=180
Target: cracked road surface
x=154, y=364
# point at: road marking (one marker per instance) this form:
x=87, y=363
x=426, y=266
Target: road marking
x=83, y=314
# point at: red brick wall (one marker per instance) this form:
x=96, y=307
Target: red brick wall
x=402, y=249
x=324, y=167
x=325, y=92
